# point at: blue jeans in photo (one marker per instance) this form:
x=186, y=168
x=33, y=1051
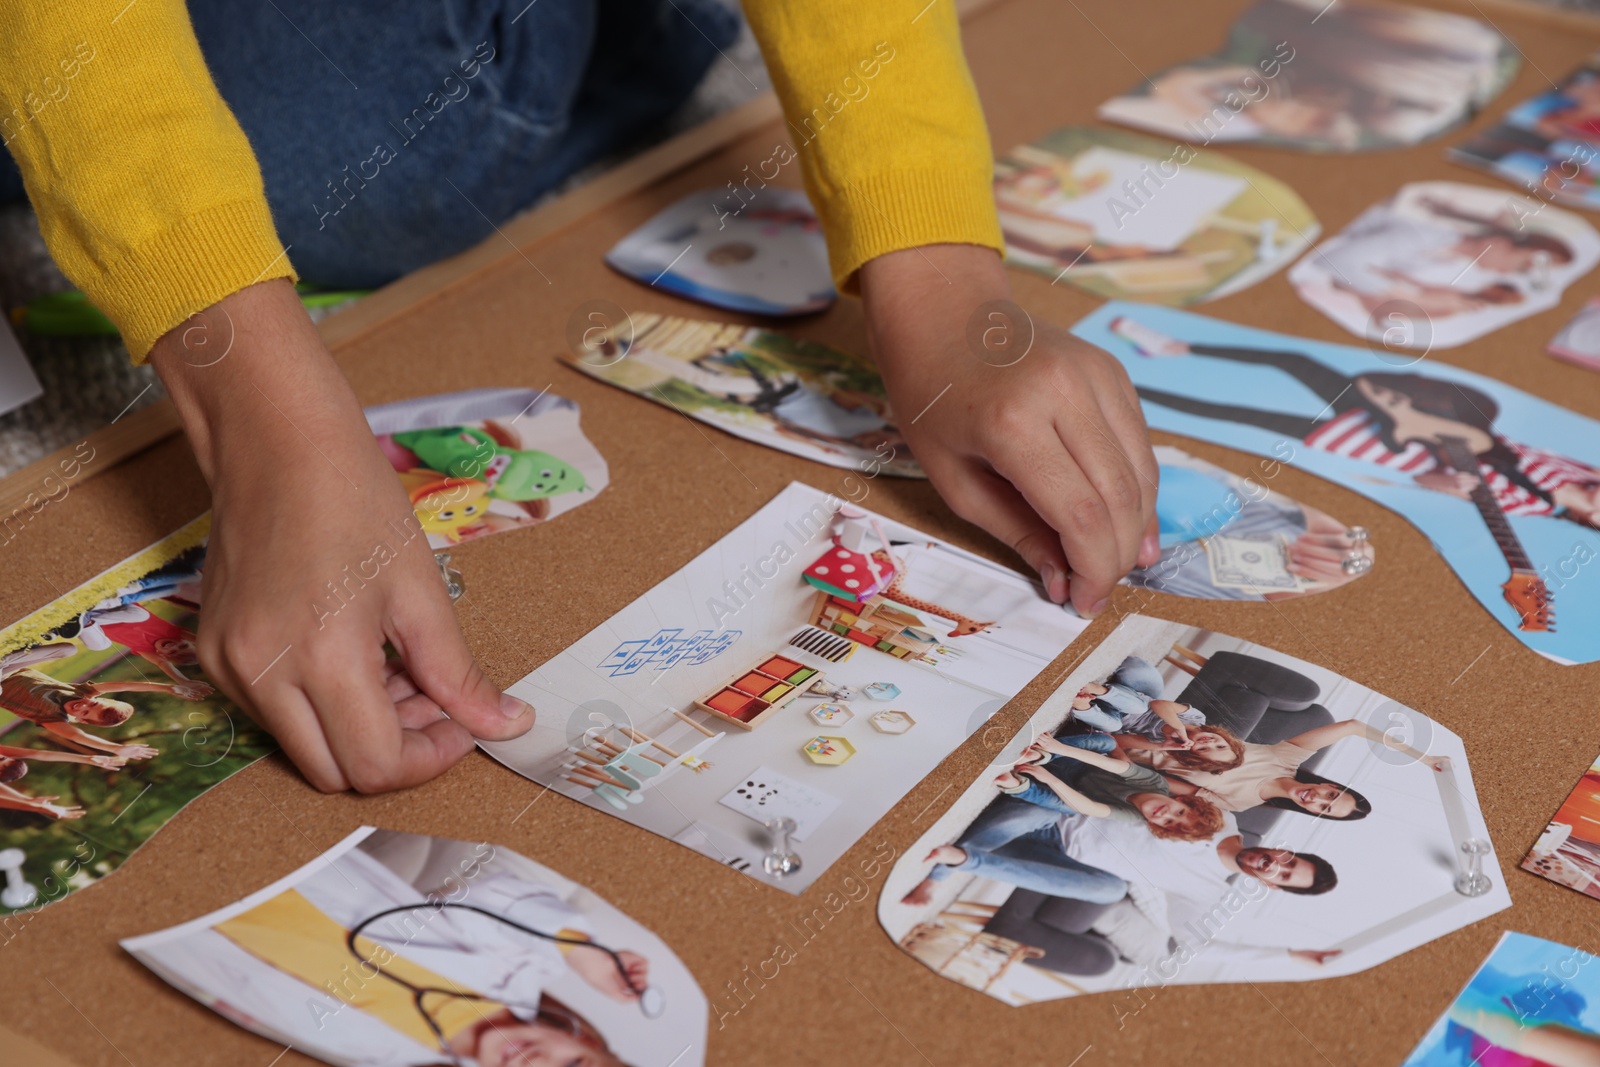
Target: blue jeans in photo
x=1020, y=844
x=1065, y=768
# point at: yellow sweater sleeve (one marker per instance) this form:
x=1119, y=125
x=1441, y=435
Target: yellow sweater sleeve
x=147, y=192
x=886, y=122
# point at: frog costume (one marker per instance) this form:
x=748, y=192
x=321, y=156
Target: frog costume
x=510, y=474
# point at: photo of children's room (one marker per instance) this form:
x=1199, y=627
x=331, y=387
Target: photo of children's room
x=814, y=664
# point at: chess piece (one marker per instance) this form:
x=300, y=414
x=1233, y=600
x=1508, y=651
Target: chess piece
x=781, y=860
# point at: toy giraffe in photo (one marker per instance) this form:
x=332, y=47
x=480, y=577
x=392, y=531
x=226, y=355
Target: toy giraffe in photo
x=965, y=627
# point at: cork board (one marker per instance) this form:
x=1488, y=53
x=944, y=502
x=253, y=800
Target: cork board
x=1410, y=631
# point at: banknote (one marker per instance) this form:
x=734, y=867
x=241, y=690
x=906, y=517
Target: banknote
x=1256, y=563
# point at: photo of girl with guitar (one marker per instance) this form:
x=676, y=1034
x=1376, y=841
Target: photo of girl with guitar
x=1434, y=430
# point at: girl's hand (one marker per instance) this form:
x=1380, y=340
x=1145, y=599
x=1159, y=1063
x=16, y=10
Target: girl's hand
x=316, y=561
x=109, y=763
x=1319, y=956
x=134, y=751
x=1025, y=430
x=192, y=690
x=1438, y=763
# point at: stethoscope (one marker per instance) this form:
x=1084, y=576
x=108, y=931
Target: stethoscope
x=652, y=1004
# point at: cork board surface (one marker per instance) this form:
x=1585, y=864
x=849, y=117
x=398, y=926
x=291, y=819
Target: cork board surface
x=1410, y=631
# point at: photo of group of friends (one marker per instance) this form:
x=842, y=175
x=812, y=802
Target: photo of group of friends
x=799, y=397
x=1124, y=216
x=395, y=949
x=1441, y=263
x=763, y=256
x=1303, y=74
x=1533, y=1003
x=1187, y=808
x=1547, y=145
x=108, y=726
x=485, y=461
x=1506, y=485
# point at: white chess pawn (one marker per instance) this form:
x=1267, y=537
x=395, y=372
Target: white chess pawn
x=19, y=892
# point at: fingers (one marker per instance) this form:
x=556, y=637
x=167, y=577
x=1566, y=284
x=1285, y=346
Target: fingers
x=988, y=500
x=425, y=633
x=367, y=733
x=1058, y=492
x=289, y=716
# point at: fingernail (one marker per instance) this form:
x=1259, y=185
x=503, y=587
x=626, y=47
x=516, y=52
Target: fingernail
x=1150, y=547
x=512, y=708
x=1048, y=575
x=1099, y=606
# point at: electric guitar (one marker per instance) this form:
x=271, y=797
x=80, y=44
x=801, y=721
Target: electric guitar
x=1524, y=590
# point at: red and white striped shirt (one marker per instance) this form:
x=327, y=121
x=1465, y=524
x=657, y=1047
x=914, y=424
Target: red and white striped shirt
x=1355, y=434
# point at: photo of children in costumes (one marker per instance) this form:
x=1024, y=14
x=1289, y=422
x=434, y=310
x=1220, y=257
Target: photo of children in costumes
x=1299, y=74
x=108, y=727
x=488, y=460
x=1185, y=808
x=1120, y=215
x=1441, y=263
x=393, y=949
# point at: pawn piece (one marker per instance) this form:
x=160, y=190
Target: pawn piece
x=782, y=860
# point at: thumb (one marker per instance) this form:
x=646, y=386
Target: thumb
x=436, y=656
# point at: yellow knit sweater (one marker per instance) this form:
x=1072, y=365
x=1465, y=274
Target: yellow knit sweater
x=150, y=199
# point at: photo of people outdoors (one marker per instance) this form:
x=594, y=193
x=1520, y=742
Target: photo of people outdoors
x=1124, y=216
x=398, y=949
x=108, y=727
x=1440, y=263
x=1340, y=78
x=1191, y=808
x=1547, y=145
x=1506, y=485
x=800, y=397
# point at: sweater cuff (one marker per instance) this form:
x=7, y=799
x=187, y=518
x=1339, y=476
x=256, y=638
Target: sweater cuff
x=906, y=209
x=189, y=267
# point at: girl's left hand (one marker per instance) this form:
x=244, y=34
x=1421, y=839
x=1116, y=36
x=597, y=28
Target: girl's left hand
x=1438, y=763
